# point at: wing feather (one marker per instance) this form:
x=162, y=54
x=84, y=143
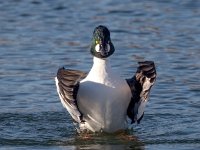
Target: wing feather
x=140, y=86
x=67, y=82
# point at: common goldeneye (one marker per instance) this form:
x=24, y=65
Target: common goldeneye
x=101, y=100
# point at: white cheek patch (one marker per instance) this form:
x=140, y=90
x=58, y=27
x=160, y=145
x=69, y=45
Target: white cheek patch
x=97, y=48
x=108, y=47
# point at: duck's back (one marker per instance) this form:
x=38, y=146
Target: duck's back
x=103, y=99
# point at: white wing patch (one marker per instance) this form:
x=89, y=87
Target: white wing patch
x=144, y=99
x=140, y=85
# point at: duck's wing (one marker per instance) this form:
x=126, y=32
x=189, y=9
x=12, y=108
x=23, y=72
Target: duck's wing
x=140, y=86
x=67, y=82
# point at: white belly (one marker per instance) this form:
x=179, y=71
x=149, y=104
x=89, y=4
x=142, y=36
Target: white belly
x=104, y=106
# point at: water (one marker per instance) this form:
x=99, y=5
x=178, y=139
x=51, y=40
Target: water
x=38, y=37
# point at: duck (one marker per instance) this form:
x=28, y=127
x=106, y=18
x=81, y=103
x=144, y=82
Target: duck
x=101, y=100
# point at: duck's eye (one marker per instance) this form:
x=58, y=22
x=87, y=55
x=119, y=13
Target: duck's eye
x=97, y=42
x=97, y=48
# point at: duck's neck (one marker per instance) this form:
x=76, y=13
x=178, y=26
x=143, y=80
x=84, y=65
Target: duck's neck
x=100, y=70
x=101, y=64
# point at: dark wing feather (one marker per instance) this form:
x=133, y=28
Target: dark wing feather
x=140, y=86
x=67, y=82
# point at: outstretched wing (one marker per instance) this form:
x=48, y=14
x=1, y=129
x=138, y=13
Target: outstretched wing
x=67, y=82
x=140, y=86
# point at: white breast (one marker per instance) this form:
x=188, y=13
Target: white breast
x=103, y=98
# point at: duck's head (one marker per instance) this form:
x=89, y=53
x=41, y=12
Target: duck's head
x=102, y=46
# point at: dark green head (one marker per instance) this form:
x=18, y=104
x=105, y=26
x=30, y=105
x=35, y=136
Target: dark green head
x=102, y=46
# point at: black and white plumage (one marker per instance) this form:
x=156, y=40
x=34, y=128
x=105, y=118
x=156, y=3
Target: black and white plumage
x=140, y=85
x=101, y=100
x=67, y=82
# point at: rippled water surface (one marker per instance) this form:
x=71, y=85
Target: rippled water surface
x=39, y=36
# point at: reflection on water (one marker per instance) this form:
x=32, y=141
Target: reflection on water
x=110, y=147
x=121, y=140
x=38, y=37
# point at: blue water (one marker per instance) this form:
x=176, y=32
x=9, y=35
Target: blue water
x=39, y=36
